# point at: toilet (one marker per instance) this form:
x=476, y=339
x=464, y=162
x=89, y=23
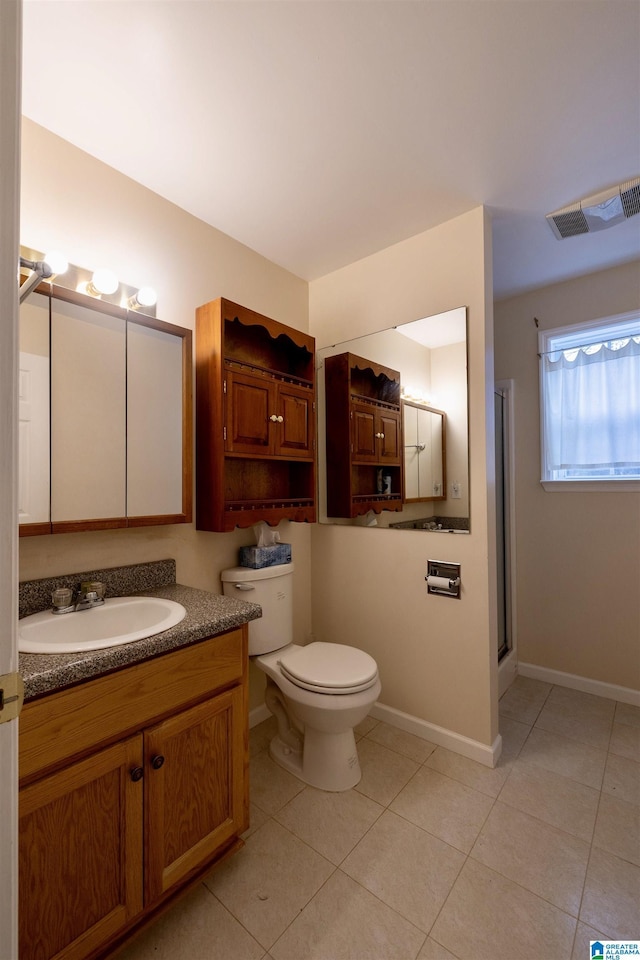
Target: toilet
x=318, y=692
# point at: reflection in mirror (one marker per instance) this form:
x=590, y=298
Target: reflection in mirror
x=424, y=452
x=429, y=359
x=33, y=404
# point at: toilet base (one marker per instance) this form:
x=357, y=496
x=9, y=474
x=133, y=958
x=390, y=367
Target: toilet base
x=327, y=761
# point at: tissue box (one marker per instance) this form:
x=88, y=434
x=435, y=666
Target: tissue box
x=267, y=556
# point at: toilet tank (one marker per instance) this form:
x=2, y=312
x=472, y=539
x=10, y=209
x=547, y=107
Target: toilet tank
x=272, y=588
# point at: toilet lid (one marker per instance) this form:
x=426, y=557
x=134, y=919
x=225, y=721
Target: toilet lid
x=329, y=668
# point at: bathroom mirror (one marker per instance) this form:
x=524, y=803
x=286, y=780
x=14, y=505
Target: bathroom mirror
x=105, y=416
x=429, y=488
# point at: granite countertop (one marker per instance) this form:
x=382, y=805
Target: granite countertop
x=207, y=614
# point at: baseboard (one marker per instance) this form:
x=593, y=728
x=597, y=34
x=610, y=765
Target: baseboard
x=584, y=684
x=258, y=714
x=472, y=749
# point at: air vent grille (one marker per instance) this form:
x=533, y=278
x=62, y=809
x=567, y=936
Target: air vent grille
x=571, y=223
x=630, y=196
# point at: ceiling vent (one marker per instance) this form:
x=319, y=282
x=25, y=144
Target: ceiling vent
x=597, y=212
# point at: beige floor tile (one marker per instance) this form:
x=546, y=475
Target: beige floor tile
x=271, y=787
x=366, y=725
x=628, y=713
x=513, y=735
x=443, y=807
x=581, y=943
x=579, y=702
x=618, y=829
x=345, y=922
x=197, y=926
x=524, y=699
x=405, y=867
x=625, y=741
x=473, y=774
x=571, y=720
x=557, y=800
x=488, y=917
x=384, y=773
x=546, y=861
x=622, y=778
x=611, y=896
x=261, y=735
x=256, y=818
x=434, y=951
x=269, y=881
x=331, y=823
x=401, y=742
x=578, y=761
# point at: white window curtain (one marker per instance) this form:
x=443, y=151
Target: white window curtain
x=591, y=399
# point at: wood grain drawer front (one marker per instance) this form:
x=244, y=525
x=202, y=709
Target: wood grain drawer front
x=74, y=721
x=80, y=860
x=194, y=793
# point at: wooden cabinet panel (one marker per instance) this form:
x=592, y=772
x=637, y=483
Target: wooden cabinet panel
x=389, y=441
x=194, y=797
x=364, y=430
x=80, y=854
x=295, y=433
x=249, y=401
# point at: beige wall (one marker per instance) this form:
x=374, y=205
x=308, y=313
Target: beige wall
x=436, y=656
x=578, y=554
x=98, y=217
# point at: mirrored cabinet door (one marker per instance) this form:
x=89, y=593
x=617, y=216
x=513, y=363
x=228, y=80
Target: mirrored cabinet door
x=33, y=406
x=154, y=421
x=424, y=452
x=88, y=413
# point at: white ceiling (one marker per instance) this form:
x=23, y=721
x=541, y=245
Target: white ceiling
x=319, y=132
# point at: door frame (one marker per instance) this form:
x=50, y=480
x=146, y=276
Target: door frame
x=10, y=77
x=508, y=666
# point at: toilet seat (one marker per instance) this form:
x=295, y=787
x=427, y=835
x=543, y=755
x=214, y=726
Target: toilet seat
x=330, y=668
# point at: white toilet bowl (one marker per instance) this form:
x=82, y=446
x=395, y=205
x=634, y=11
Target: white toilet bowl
x=315, y=739
x=318, y=692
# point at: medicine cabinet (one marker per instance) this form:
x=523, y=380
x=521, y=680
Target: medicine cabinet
x=105, y=410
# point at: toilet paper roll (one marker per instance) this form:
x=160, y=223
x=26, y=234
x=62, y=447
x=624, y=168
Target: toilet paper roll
x=440, y=583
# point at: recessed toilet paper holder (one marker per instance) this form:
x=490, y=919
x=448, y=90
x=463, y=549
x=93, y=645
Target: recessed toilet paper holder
x=443, y=578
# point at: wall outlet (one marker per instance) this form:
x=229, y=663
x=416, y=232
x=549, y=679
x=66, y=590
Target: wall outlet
x=436, y=489
x=455, y=490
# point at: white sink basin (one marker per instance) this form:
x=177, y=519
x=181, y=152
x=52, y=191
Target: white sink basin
x=116, y=621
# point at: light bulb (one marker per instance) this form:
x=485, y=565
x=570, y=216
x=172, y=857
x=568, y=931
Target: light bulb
x=57, y=261
x=146, y=296
x=103, y=281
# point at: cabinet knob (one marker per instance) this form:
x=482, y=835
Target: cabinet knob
x=280, y=419
x=157, y=761
x=273, y=418
x=136, y=774
x=380, y=436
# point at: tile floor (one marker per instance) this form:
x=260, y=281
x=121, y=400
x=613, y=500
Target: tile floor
x=433, y=856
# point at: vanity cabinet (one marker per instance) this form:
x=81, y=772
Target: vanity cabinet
x=363, y=436
x=132, y=786
x=255, y=419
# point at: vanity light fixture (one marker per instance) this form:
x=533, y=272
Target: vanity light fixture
x=103, y=282
x=145, y=297
x=57, y=262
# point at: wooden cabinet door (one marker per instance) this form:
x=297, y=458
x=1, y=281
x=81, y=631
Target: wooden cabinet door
x=194, y=794
x=295, y=432
x=363, y=432
x=80, y=854
x=249, y=405
x=388, y=430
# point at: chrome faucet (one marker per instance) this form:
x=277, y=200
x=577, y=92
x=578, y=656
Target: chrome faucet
x=88, y=594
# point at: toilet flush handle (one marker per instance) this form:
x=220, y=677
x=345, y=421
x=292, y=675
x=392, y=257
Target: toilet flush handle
x=244, y=586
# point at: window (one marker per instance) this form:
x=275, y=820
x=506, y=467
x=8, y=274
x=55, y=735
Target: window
x=590, y=404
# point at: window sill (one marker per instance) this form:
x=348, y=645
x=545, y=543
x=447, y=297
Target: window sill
x=591, y=486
